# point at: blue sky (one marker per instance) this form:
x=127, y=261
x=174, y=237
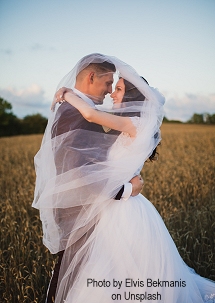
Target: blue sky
x=170, y=43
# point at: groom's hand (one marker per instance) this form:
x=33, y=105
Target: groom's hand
x=137, y=185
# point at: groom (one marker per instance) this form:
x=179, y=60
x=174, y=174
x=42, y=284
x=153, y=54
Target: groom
x=95, y=80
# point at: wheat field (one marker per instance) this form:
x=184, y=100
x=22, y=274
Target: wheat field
x=181, y=184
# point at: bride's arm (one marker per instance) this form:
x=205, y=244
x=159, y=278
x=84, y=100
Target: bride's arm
x=123, y=124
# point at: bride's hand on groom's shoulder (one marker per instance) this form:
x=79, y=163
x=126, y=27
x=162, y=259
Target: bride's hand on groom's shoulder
x=59, y=96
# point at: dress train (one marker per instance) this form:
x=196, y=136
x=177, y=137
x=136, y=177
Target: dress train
x=133, y=258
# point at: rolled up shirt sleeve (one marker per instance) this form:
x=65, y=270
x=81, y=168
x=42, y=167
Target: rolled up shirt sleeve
x=127, y=191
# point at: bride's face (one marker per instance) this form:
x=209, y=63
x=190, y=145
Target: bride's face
x=119, y=92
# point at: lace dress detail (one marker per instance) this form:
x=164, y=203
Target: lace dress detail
x=124, y=139
x=123, y=146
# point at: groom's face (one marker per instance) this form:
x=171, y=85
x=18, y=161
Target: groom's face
x=101, y=86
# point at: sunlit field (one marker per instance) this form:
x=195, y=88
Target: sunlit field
x=181, y=185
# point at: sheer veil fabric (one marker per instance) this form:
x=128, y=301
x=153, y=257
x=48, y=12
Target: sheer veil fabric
x=80, y=171
x=65, y=183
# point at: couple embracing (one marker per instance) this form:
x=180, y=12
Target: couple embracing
x=87, y=191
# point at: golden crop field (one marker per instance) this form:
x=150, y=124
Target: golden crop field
x=181, y=184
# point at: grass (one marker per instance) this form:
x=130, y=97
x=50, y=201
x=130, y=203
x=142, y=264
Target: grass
x=181, y=185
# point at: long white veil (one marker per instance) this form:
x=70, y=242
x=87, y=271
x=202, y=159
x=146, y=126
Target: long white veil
x=76, y=177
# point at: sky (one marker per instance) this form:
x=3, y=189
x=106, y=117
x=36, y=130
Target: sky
x=171, y=43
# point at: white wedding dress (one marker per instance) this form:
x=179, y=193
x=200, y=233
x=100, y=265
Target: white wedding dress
x=134, y=259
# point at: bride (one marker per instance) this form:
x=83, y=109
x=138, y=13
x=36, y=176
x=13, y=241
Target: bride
x=129, y=255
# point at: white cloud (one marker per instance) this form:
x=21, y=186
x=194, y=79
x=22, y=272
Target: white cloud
x=183, y=107
x=26, y=101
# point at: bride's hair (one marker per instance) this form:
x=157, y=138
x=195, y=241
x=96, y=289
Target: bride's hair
x=154, y=155
x=133, y=94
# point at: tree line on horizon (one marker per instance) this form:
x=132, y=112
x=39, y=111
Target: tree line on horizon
x=195, y=119
x=11, y=125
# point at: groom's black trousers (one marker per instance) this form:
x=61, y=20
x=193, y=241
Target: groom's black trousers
x=54, y=279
